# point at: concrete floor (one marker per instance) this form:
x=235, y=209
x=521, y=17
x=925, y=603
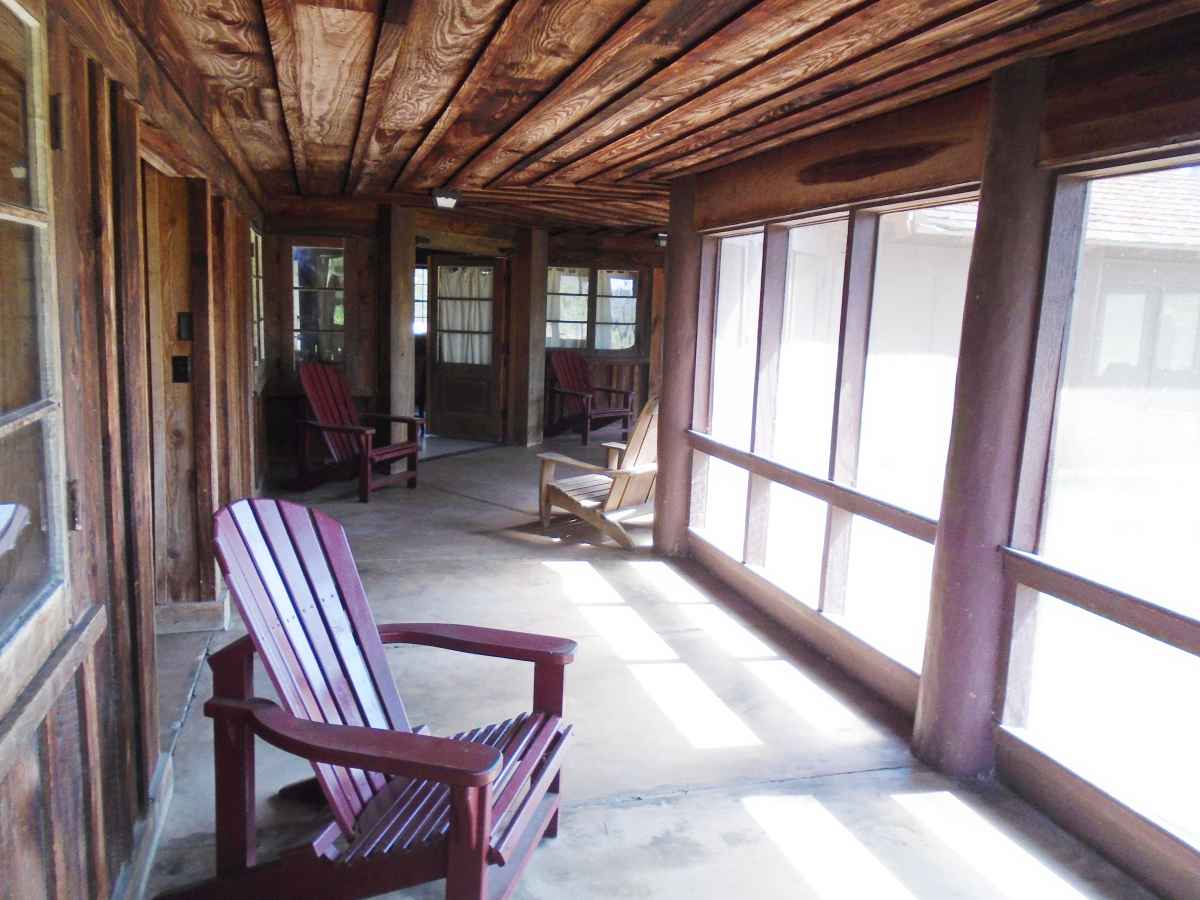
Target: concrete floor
x=710, y=761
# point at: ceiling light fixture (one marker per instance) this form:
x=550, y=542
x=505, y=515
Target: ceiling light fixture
x=445, y=199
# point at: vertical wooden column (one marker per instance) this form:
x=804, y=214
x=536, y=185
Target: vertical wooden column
x=135, y=415
x=672, y=491
x=527, y=339
x=960, y=683
x=853, y=333
x=772, y=297
x=204, y=219
x=402, y=353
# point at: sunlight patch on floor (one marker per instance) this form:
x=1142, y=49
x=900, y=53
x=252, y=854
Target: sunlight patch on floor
x=582, y=583
x=628, y=634
x=807, y=699
x=693, y=707
x=827, y=854
x=996, y=857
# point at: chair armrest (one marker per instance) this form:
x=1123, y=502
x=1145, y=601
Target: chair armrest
x=614, y=450
x=584, y=394
x=643, y=469
x=567, y=461
x=609, y=390
x=374, y=749
x=348, y=429
x=535, y=648
x=411, y=420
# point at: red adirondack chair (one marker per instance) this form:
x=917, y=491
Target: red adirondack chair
x=577, y=395
x=347, y=439
x=407, y=808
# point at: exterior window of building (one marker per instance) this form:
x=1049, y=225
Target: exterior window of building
x=1122, y=504
x=592, y=309
x=420, y=300
x=258, y=334
x=319, y=304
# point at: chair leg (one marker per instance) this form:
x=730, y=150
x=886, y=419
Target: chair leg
x=470, y=830
x=587, y=428
x=411, y=466
x=364, y=479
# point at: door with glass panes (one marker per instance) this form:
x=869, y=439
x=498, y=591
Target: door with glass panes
x=465, y=320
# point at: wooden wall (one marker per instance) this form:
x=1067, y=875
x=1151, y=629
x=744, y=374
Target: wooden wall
x=83, y=785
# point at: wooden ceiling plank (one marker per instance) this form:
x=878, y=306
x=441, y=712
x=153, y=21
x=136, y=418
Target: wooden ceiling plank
x=659, y=31
x=334, y=47
x=940, y=47
x=439, y=44
x=518, y=19
x=379, y=83
x=528, y=65
x=758, y=32
x=226, y=39
x=281, y=33
x=871, y=32
x=1070, y=28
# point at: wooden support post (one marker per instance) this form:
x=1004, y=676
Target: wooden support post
x=673, y=488
x=204, y=218
x=857, y=291
x=135, y=409
x=402, y=353
x=960, y=684
x=527, y=339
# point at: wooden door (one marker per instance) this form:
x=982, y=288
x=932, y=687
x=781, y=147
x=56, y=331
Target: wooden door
x=464, y=355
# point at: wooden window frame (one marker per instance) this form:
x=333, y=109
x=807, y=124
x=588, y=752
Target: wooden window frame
x=318, y=243
x=642, y=296
x=258, y=309
x=837, y=488
x=29, y=642
x=421, y=268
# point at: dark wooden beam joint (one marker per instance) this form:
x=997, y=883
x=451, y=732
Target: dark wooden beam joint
x=960, y=684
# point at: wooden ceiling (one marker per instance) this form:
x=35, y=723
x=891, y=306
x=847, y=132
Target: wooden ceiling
x=580, y=111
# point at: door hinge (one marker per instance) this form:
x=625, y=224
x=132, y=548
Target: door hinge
x=74, y=522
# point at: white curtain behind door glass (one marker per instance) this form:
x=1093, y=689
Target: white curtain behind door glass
x=465, y=325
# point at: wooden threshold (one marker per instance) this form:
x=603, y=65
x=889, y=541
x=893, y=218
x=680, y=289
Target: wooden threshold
x=182, y=618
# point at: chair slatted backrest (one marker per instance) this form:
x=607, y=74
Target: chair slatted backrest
x=293, y=577
x=641, y=449
x=572, y=373
x=331, y=403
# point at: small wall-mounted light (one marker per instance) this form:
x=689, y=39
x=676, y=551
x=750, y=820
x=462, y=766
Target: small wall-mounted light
x=661, y=239
x=444, y=199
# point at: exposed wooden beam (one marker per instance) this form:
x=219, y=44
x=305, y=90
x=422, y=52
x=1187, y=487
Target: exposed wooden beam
x=868, y=34
x=322, y=57
x=759, y=31
x=439, y=43
x=127, y=55
x=520, y=65
x=379, y=83
x=834, y=98
x=659, y=30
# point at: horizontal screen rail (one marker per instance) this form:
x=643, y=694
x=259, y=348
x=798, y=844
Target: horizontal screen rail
x=1158, y=622
x=902, y=520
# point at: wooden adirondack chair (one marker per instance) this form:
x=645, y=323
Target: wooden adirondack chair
x=577, y=395
x=347, y=439
x=621, y=490
x=407, y=808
